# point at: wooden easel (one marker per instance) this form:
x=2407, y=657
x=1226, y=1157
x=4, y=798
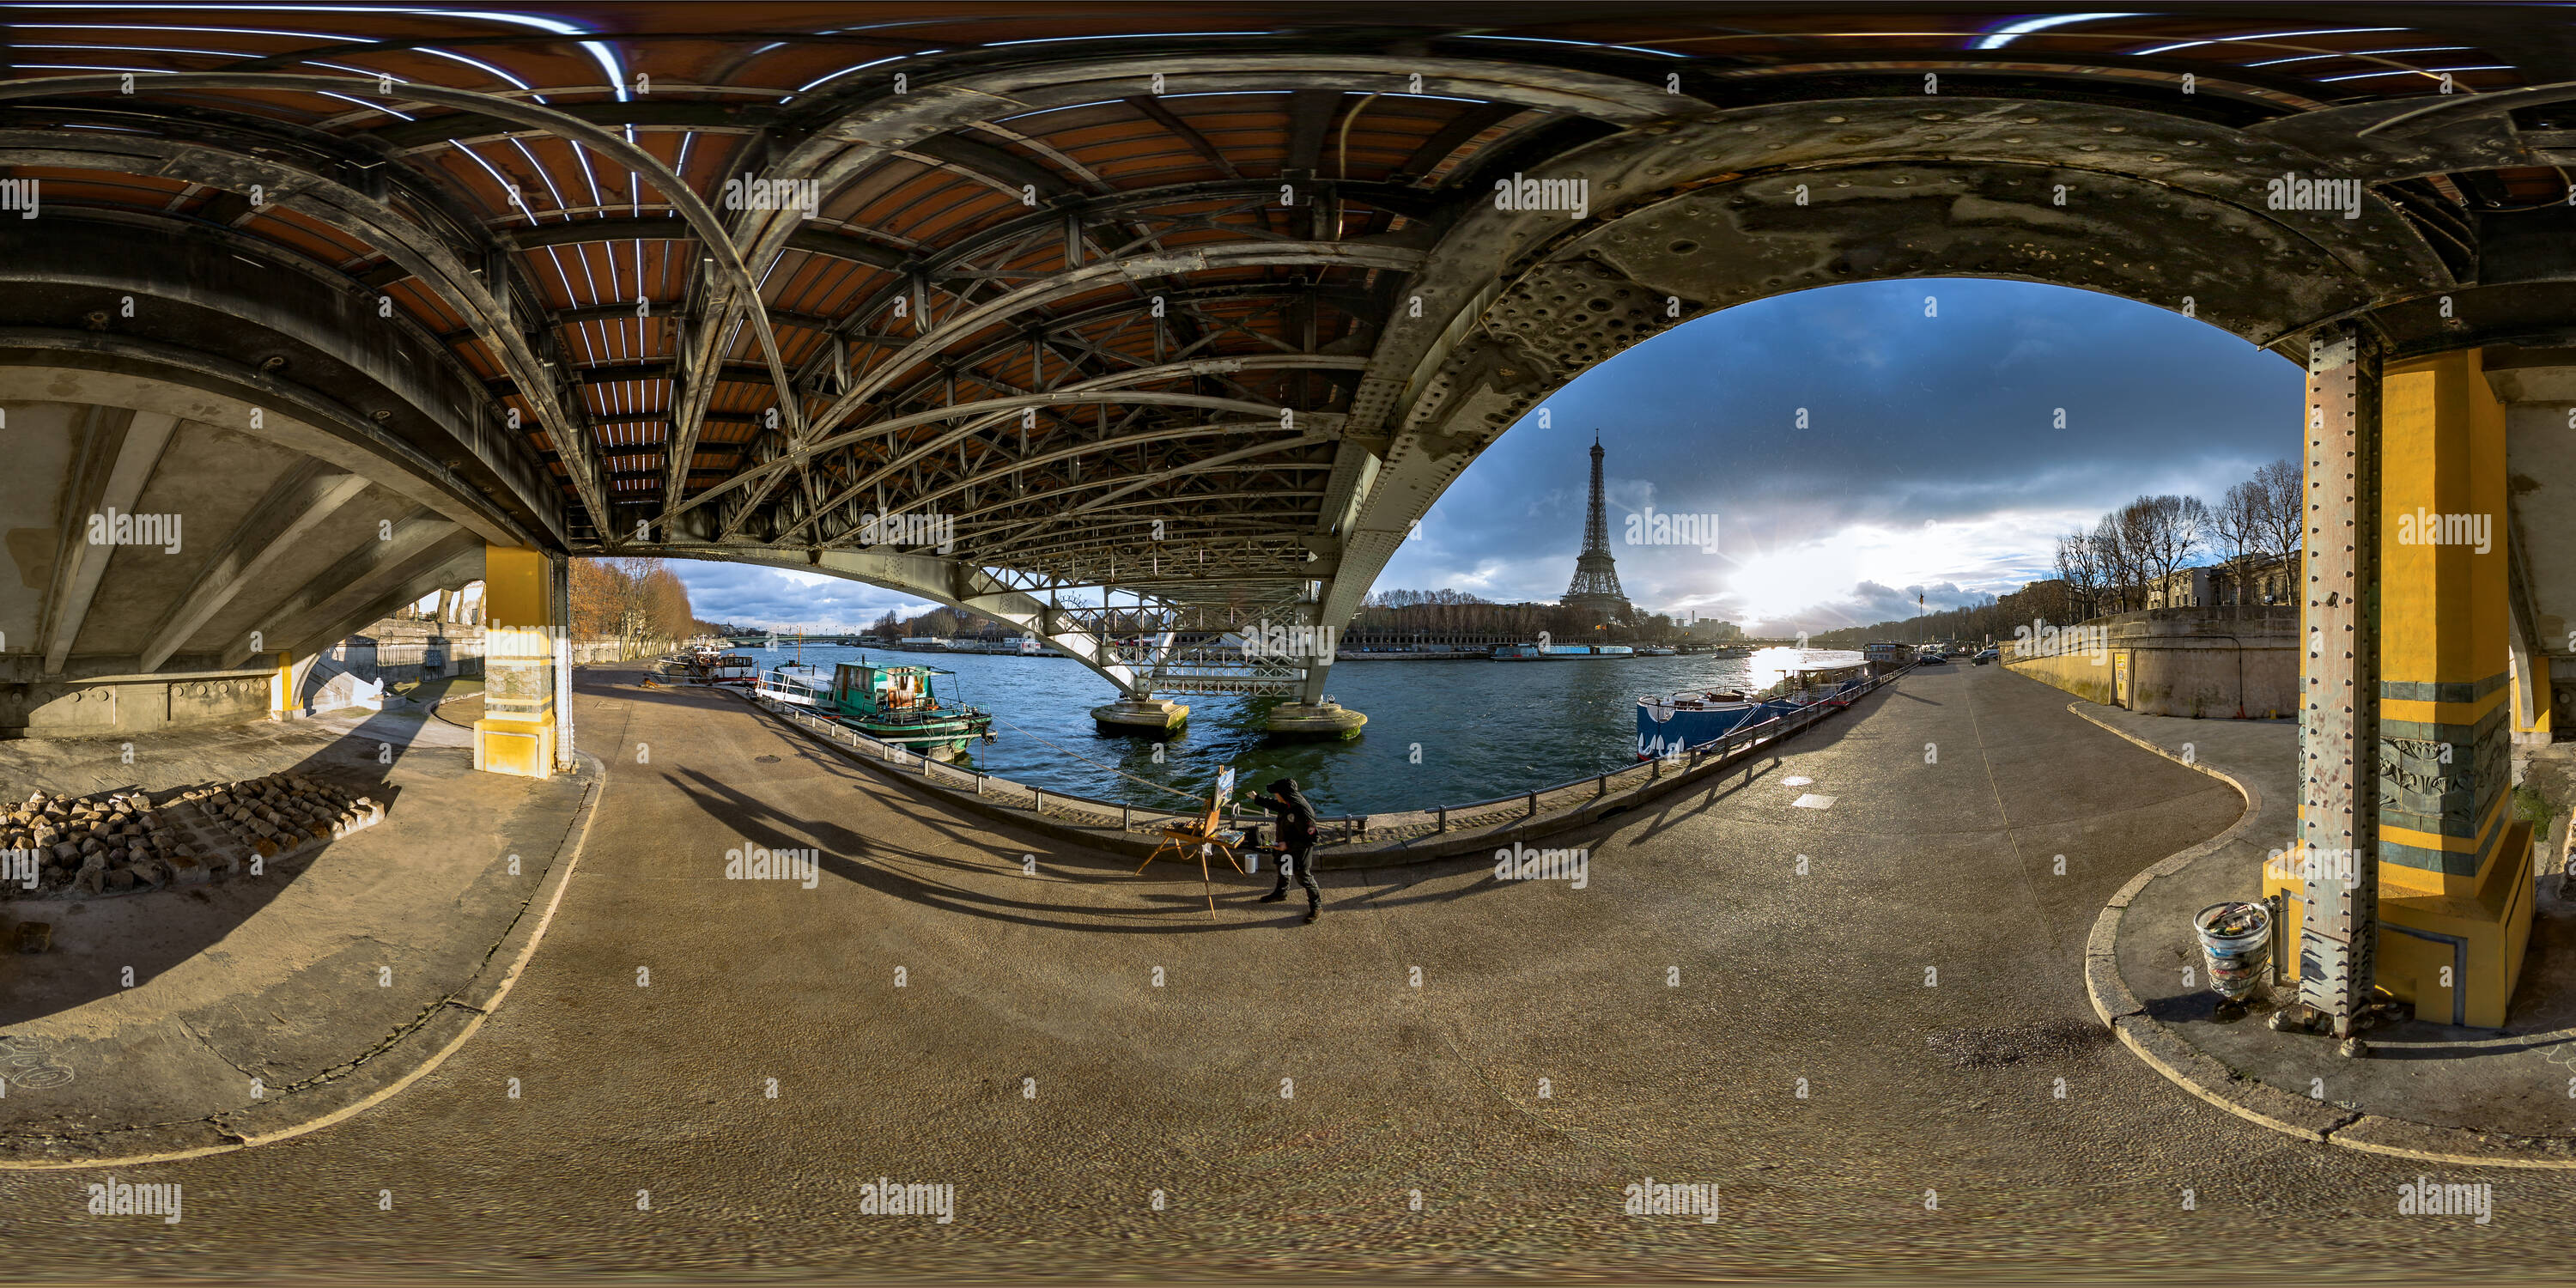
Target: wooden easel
x=1206, y=833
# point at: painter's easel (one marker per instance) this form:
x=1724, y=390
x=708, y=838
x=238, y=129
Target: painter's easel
x=1206, y=833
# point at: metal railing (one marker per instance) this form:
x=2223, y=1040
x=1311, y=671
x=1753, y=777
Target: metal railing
x=1522, y=806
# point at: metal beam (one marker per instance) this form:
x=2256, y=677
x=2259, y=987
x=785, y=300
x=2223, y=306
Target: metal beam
x=1068, y=394
x=606, y=143
x=115, y=464
x=2339, y=676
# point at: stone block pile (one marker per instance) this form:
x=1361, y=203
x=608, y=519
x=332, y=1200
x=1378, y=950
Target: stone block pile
x=123, y=842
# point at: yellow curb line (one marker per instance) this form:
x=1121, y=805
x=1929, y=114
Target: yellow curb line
x=510, y=978
x=2120, y=905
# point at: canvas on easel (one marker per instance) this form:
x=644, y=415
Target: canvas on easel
x=1207, y=833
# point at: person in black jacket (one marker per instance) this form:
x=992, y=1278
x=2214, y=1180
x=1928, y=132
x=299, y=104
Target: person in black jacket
x=1297, y=837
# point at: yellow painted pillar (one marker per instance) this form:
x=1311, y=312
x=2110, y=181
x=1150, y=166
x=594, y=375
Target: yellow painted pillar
x=281, y=686
x=517, y=732
x=2454, y=870
x=2532, y=717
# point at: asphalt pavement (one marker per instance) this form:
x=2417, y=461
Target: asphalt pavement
x=1846, y=993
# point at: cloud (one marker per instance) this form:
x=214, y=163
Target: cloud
x=748, y=595
x=1931, y=453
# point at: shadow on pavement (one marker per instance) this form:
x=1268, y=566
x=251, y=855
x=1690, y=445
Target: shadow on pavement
x=189, y=920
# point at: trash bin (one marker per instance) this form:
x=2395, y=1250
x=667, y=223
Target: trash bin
x=2236, y=940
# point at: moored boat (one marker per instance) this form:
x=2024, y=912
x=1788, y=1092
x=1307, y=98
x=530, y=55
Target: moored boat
x=1671, y=724
x=1677, y=723
x=797, y=685
x=711, y=667
x=1558, y=652
x=901, y=705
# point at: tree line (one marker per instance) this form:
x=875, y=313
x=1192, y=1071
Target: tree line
x=2112, y=566
x=638, y=602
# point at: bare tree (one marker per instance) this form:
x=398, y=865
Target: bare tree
x=2079, y=566
x=2236, y=527
x=2160, y=533
x=2118, y=562
x=2284, y=510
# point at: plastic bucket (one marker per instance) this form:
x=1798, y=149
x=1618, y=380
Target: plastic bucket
x=2236, y=940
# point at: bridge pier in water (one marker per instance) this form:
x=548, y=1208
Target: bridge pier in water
x=1314, y=715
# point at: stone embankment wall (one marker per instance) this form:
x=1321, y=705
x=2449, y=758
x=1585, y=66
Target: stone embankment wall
x=2213, y=663
x=406, y=651
x=587, y=652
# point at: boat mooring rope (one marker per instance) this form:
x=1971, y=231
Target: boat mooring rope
x=1192, y=797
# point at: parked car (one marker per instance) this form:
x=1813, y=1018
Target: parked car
x=1930, y=655
x=1988, y=655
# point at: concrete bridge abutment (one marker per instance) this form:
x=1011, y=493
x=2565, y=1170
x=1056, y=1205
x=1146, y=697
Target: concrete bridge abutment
x=2412, y=876
x=526, y=729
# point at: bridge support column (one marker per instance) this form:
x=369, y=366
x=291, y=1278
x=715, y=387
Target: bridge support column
x=522, y=648
x=2405, y=726
x=2455, y=867
x=1313, y=715
x=281, y=686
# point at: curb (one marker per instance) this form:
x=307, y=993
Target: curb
x=373, y=1077
x=2191, y=1069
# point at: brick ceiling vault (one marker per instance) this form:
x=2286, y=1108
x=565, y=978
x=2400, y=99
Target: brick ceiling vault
x=1211, y=303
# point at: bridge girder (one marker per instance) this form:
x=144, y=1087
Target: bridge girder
x=2081, y=170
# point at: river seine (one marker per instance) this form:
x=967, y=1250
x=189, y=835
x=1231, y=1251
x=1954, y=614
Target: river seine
x=1439, y=733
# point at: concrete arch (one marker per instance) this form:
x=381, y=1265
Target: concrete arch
x=1705, y=214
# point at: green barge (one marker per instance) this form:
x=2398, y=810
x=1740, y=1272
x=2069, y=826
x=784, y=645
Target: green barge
x=901, y=705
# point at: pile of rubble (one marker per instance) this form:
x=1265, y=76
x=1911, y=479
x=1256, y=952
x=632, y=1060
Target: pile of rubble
x=91, y=845
x=126, y=841
x=280, y=813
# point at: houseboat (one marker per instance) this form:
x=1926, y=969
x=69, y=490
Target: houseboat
x=901, y=705
x=797, y=685
x=1558, y=652
x=1673, y=724
x=723, y=668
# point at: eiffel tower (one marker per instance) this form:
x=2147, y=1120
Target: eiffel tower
x=1596, y=576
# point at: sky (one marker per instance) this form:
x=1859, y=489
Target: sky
x=1931, y=458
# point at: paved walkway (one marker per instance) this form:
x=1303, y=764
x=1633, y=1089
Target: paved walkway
x=1881, y=920
x=353, y=949
x=2447, y=1093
